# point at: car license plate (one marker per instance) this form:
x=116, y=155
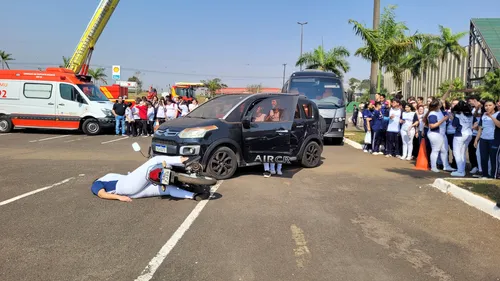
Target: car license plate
x=165, y=177
x=161, y=148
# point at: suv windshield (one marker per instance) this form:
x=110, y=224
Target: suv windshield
x=216, y=108
x=326, y=92
x=92, y=92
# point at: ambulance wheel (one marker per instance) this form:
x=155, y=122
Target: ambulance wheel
x=5, y=124
x=91, y=127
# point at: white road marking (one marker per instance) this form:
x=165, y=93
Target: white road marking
x=5, y=134
x=34, y=191
x=153, y=265
x=75, y=139
x=51, y=138
x=105, y=142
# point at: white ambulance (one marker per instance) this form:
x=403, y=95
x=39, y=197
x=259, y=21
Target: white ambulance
x=52, y=99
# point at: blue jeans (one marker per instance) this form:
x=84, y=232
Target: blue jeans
x=120, y=121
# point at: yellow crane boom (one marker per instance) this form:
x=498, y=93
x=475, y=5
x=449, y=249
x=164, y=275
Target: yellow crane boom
x=80, y=60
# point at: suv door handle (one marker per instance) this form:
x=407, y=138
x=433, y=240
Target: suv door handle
x=300, y=126
x=281, y=131
x=50, y=103
x=61, y=104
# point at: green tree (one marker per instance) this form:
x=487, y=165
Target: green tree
x=423, y=58
x=5, y=58
x=353, y=85
x=447, y=42
x=213, y=85
x=138, y=81
x=491, y=87
x=386, y=45
x=457, y=84
x=334, y=60
x=98, y=75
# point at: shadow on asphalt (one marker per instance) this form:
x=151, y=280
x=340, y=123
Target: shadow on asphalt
x=214, y=196
x=28, y=131
x=415, y=173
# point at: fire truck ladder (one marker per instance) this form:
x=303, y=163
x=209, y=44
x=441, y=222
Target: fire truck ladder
x=80, y=60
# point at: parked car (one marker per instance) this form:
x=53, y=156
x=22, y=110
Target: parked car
x=232, y=131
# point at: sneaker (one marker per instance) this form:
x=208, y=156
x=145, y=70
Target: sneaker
x=124, y=135
x=388, y=156
x=365, y=151
x=449, y=169
x=267, y=174
x=474, y=170
x=435, y=170
x=273, y=172
x=409, y=158
x=457, y=174
x=279, y=172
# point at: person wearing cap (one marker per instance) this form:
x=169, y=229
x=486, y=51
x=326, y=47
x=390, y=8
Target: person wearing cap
x=137, y=184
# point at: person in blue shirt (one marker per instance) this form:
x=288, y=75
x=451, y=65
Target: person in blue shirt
x=488, y=138
x=377, y=128
x=462, y=122
x=137, y=185
x=367, y=122
x=436, y=122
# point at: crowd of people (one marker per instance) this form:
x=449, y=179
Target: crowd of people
x=468, y=128
x=148, y=111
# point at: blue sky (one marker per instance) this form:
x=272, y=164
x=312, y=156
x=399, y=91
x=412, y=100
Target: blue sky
x=242, y=42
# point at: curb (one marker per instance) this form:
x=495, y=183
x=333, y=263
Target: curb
x=353, y=143
x=468, y=197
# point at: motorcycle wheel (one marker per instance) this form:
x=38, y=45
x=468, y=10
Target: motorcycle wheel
x=198, y=180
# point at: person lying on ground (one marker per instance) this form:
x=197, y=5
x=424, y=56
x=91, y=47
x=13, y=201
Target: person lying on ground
x=137, y=183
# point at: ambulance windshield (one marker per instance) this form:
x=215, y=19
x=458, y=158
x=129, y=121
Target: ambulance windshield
x=92, y=92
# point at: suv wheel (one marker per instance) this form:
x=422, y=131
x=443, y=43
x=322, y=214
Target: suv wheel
x=222, y=163
x=311, y=155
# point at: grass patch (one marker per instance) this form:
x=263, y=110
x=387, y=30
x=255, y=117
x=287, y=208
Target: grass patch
x=357, y=136
x=489, y=189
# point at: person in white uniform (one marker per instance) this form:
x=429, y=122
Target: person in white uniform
x=409, y=121
x=462, y=122
x=137, y=185
x=436, y=121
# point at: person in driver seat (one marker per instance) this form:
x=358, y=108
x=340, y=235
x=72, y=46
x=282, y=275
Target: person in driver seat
x=137, y=183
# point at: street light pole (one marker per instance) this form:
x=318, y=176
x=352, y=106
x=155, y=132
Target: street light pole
x=301, y=37
x=284, y=71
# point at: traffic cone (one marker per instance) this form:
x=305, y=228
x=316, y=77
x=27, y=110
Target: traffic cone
x=422, y=161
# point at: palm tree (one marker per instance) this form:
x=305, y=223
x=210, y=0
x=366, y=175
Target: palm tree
x=422, y=59
x=334, y=60
x=386, y=45
x=65, y=62
x=4, y=58
x=448, y=43
x=98, y=75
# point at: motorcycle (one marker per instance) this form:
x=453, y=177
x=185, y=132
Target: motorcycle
x=188, y=175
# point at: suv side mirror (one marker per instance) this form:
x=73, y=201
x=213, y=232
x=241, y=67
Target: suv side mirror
x=246, y=122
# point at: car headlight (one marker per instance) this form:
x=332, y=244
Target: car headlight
x=107, y=112
x=196, y=133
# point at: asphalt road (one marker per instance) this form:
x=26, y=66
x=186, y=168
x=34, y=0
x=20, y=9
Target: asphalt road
x=356, y=217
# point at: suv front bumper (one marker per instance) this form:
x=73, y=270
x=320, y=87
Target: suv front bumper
x=171, y=147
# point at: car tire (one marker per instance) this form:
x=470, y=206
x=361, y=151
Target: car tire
x=222, y=158
x=5, y=124
x=91, y=127
x=311, y=156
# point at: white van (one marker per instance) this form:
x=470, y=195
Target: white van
x=52, y=99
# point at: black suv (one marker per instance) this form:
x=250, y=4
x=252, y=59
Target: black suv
x=232, y=131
